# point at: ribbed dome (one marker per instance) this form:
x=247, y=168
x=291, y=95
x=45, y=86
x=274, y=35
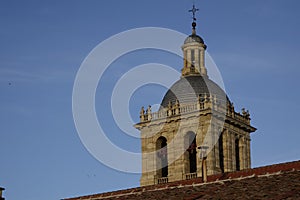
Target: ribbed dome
x=187, y=90
x=193, y=38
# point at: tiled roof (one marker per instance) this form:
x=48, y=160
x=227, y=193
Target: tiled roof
x=281, y=181
x=186, y=90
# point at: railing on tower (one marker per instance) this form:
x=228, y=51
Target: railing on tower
x=160, y=180
x=191, y=176
x=205, y=102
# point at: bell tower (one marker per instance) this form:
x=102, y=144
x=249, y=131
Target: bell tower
x=196, y=120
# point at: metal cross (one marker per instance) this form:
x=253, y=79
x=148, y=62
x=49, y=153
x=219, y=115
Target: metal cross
x=194, y=10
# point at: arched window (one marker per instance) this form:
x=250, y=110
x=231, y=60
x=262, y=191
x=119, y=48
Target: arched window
x=190, y=143
x=193, y=58
x=237, y=154
x=221, y=153
x=162, y=157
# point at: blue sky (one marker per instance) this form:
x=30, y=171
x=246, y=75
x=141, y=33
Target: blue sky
x=43, y=43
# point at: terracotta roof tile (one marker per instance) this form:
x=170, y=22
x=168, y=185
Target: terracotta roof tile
x=281, y=181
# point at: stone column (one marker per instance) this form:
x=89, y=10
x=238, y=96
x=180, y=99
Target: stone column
x=226, y=149
x=202, y=62
x=197, y=61
x=233, y=152
x=211, y=158
x=189, y=58
x=217, y=150
x=185, y=58
x=242, y=153
x=248, y=154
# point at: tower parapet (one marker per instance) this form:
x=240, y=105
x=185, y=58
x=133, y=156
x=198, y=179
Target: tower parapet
x=206, y=104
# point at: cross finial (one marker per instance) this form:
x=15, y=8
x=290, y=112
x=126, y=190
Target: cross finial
x=194, y=10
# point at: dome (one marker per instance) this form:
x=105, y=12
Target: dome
x=188, y=88
x=194, y=38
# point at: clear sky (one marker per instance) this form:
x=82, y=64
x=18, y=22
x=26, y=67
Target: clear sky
x=254, y=43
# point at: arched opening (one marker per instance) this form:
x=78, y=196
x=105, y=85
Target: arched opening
x=237, y=154
x=191, y=148
x=221, y=153
x=193, y=58
x=162, y=157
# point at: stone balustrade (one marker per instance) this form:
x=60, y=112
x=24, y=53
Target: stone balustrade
x=190, y=176
x=162, y=180
x=205, y=102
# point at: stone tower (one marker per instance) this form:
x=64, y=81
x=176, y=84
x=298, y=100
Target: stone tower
x=195, y=114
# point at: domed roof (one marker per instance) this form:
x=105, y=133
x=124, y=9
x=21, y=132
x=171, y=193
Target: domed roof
x=193, y=38
x=187, y=89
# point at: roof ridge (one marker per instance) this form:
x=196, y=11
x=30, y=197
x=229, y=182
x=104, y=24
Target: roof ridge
x=264, y=171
